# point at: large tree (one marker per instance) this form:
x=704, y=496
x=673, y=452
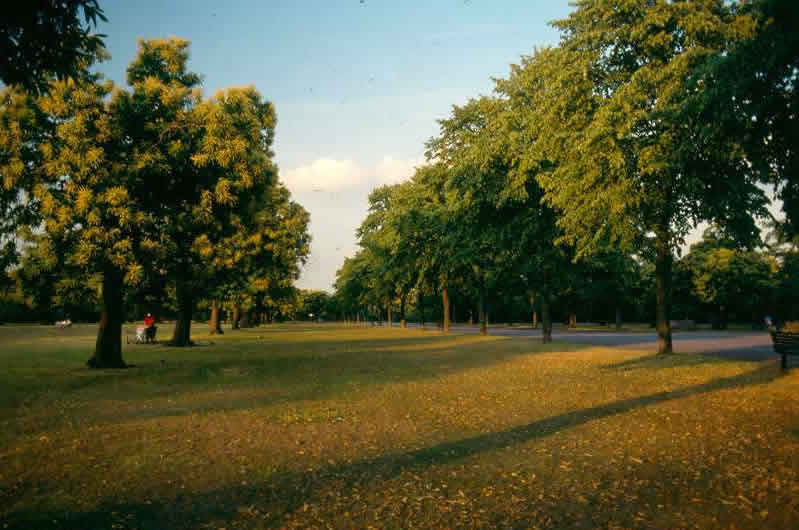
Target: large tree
x=193, y=161
x=750, y=92
x=137, y=180
x=62, y=154
x=625, y=161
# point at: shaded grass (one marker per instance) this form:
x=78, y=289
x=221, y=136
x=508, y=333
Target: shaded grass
x=325, y=426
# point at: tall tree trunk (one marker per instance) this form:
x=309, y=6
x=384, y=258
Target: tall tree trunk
x=445, y=309
x=245, y=321
x=403, y=322
x=483, y=311
x=420, y=300
x=214, y=326
x=236, y=318
x=185, y=298
x=535, y=319
x=546, y=320
x=108, y=348
x=390, y=316
x=618, y=318
x=663, y=261
x=572, y=320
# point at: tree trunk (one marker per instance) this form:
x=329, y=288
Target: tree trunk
x=572, y=320
x=618, y=318
x=420, y=300
x=390, y=316
x=245, y=320
x=445, y=309
x=236, y=318
x=214, y=326
x=546, y=320
x=483, y=311
x=185, y=298
x=403, y=323
x=108, y=348
x=663, y=291
x=535, y=319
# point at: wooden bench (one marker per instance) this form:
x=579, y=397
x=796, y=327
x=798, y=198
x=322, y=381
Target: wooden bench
x=785, y=343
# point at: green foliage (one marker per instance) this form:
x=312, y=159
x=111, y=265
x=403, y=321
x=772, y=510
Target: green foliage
x=751, y=93
x=314, y=305
x=788, y=287
x=731, y=280
x=149, y=186
x=627, y=159
x=47, y=39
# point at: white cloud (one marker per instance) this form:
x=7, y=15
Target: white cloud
x=336, y=192
x=324, y=174
x=330, y=174
x=391, y=170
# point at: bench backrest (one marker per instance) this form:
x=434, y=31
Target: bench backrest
x=785, y=341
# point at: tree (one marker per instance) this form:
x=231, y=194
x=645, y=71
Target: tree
x=195, y=160
x=751, y=93
x=349, y=288
x=267, y=242
x=142, y=181
x=47, y=39
x=730, y=279
x=313, y=304
x=787, y=279
x=281, y=244
x=626, y=163
x=504, y=232
x=67, y=165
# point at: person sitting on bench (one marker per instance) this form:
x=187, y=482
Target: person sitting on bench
x=149, y=327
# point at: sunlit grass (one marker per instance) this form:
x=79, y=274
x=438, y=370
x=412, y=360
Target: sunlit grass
x=298, y=426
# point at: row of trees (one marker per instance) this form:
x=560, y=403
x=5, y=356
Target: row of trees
x=149, y=192
x=594, y=159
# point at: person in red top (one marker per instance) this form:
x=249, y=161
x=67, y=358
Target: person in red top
x=149, y=325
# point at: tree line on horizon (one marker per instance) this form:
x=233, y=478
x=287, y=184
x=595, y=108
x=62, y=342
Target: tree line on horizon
x=580, y=176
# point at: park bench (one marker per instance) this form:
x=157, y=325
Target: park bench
x=785, y=343
x=141, y=336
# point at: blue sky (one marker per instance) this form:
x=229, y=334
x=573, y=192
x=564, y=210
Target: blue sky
x=358, y=86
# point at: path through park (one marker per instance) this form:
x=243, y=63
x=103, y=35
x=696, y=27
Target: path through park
x=738, y=345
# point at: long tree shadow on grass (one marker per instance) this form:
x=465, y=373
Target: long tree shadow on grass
x=286, y=492
x=260, y=379
x=660, y=362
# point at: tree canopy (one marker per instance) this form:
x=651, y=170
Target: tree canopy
x=48, y=39
x=150, y=181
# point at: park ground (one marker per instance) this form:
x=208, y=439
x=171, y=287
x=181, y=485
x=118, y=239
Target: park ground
x=324, y=426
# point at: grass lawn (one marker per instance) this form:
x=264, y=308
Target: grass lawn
x=323, y=426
